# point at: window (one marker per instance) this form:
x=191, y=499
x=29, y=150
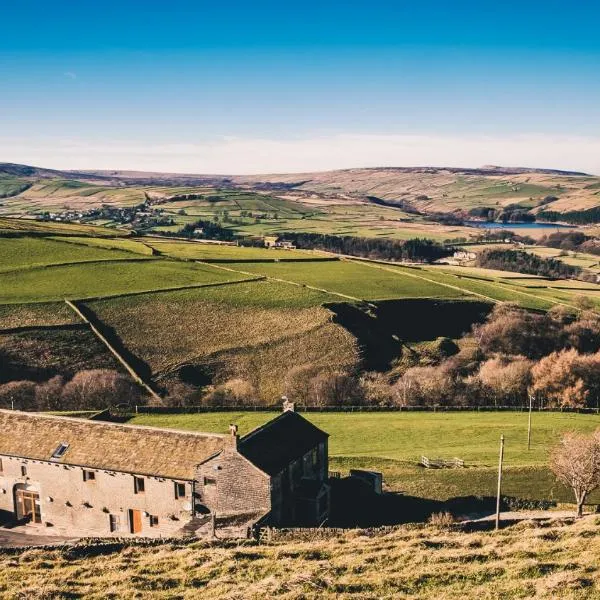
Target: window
x=114, y=522
x=23, y=471
x=89, y=475
x=60, y=451
x=153, y=521
x=139, y=485
x=210, y=481
x=179, y=490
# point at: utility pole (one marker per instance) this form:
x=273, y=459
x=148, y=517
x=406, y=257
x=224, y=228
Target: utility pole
x=500, y=461
x=529, y=423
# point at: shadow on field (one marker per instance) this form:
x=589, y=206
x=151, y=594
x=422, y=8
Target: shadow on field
x=354, y=504
x=141, y=367
x=383, y=326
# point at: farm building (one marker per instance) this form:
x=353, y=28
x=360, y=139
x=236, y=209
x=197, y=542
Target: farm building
x=85, y=477
x=273, y=241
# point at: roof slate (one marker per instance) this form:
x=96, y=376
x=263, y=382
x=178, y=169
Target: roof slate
x=99, y=445
x=279, y=442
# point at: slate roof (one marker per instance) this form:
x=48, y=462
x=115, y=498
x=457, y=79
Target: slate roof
x=279, y=442
x=113, y=447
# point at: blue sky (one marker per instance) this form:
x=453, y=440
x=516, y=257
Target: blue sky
x=273, y=86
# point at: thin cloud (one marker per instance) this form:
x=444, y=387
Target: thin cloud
x=70, y=74
x=236, y=155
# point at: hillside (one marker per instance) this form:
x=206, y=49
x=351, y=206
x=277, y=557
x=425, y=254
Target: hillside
x=424, y=189
x=524, y=561
x=265, y=322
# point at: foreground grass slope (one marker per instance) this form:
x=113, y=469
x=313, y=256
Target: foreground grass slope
x=393, y=442
x=556, y=560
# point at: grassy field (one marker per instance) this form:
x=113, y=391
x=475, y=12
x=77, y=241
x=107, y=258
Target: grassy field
x=39, y=354
x=104, y=279
x=353, y=279
x=394, y=442
x=25, y=252
x=36, y=315
x=275, y=326
x=221, y=252
x=551, y=561
x=22, y=226
x=127, y=245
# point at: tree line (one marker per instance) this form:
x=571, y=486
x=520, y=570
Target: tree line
x=519, y=261
x=576, y=217
x=201, y=229
x=414, y=250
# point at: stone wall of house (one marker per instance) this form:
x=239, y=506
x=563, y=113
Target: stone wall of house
x=229, y=484
x=70, y=505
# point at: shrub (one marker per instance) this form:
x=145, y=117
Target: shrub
x=442, y=519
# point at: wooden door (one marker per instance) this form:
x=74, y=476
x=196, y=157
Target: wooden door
x=28, y=506
x=135, y=521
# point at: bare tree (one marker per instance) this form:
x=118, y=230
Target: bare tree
x=99, y=388
x=576, y=462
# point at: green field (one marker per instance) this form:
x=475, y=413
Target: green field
x=128, y=245
x=105, y=279
x=221, y=252
x=26, y=252
x=353, y=279
x=393, y=443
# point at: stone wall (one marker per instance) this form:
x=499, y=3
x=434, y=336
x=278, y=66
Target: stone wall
x=229, y=484
x=70, y=505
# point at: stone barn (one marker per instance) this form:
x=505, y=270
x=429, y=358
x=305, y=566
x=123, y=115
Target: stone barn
x=84, y=477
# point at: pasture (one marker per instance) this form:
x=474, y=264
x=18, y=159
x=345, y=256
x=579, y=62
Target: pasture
x=26, y=252
x=125, y=244
x=353, y=279
x=105, y=278
x=227, y=253
x=393, y=443
x=262, y=327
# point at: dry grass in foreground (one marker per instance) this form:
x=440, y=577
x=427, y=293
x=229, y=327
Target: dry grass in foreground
x=556, y=560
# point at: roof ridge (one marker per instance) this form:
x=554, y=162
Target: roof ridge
x=40, y=415
x=260, y=428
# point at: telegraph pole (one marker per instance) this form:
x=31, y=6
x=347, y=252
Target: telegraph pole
x=529, y=424
x=500, y=461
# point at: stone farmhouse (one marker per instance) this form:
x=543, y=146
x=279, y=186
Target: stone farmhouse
x=274, y=241
x=84, y=477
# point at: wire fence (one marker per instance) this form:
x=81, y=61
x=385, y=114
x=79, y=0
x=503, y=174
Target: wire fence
x=145, y=409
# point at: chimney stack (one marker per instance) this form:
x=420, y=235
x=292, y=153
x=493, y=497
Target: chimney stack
x=287, y=405
x=232, y=440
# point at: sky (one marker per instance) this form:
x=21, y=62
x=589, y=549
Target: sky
x=261, y=86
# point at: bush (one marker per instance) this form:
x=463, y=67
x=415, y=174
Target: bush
x=442, y=519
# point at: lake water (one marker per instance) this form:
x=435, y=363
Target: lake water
x=535, y=225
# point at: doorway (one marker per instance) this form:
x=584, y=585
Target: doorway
x=27, y=503
x=135, y=520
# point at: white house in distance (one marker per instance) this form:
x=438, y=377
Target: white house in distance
x=273, y=241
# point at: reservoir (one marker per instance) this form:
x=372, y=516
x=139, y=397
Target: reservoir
x=519, y=225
